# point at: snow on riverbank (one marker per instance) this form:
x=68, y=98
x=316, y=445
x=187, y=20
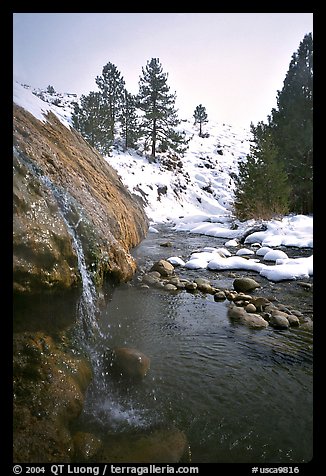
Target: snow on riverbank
x=290, y=231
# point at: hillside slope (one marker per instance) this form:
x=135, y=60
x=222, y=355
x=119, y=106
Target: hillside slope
x=201, y=182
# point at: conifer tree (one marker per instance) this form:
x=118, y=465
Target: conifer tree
x=292, y=125
x=50, y=89
x=159, y=118
x=90, y=120
x=129, y=120
x=112, y=86
x=200, y=117
x=262, y=190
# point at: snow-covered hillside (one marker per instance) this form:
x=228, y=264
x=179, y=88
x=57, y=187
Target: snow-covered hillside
x=200, y=183
x=195, y=193
x=39, y=102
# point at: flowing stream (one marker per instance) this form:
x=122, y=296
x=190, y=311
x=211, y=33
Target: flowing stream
x=240, y=395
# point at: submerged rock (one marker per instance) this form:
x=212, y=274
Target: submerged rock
x=204, y=285
x=239, y=314
x=219, y=296
x=279, y=320
x=158, y=446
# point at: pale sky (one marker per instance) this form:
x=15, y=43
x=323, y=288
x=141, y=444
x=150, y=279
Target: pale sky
x=231, y=63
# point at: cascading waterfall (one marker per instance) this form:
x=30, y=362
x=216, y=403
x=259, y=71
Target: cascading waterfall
x=87, y=308
x=88, y=332
x=103, y=403
x=87, y=326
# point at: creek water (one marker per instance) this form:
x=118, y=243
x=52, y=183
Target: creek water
x=239, y=395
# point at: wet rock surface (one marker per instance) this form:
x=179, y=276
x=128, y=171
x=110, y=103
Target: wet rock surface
x=53, y=164
x=49, y=383
x=86, y=446
x=130, y=363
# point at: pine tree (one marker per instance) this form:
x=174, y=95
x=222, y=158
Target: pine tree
x=292, y=125
x=112, y=86
x=200, y=117
x=129, y=120
x=90, y=120
x=262, y=190
x=50, y=89
x=159, y=118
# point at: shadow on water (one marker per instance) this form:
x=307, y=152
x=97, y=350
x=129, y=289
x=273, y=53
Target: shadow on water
x=46, y=312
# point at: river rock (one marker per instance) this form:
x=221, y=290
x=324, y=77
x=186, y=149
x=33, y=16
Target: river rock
x=250, y=308
x=260, y=303
x=130, y=362
x=245, y=284
x=190, y=286
x=204, y=285
x=242, y=297
x=166, y=244
x=170, y=287
x=158, y=446
x=175, y=280
x=149, y=279
x=256, y=321
x=297, y=313
x=219, y=296
x=293, y=320
x=239, y=314
x=230, y=295
x=279, y=319
x=163, y=267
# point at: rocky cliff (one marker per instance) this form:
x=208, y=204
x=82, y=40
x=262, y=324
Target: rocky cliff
x=68, y=204
x=63, y=187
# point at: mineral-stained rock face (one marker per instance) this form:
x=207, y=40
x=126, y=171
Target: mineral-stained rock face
x=53, y=381
x=54, y=168
x=43, y=254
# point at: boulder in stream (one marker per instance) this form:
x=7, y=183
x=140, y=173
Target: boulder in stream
x=240, y=315
x=245, y=284
x=130, y=362
x=163, y=267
